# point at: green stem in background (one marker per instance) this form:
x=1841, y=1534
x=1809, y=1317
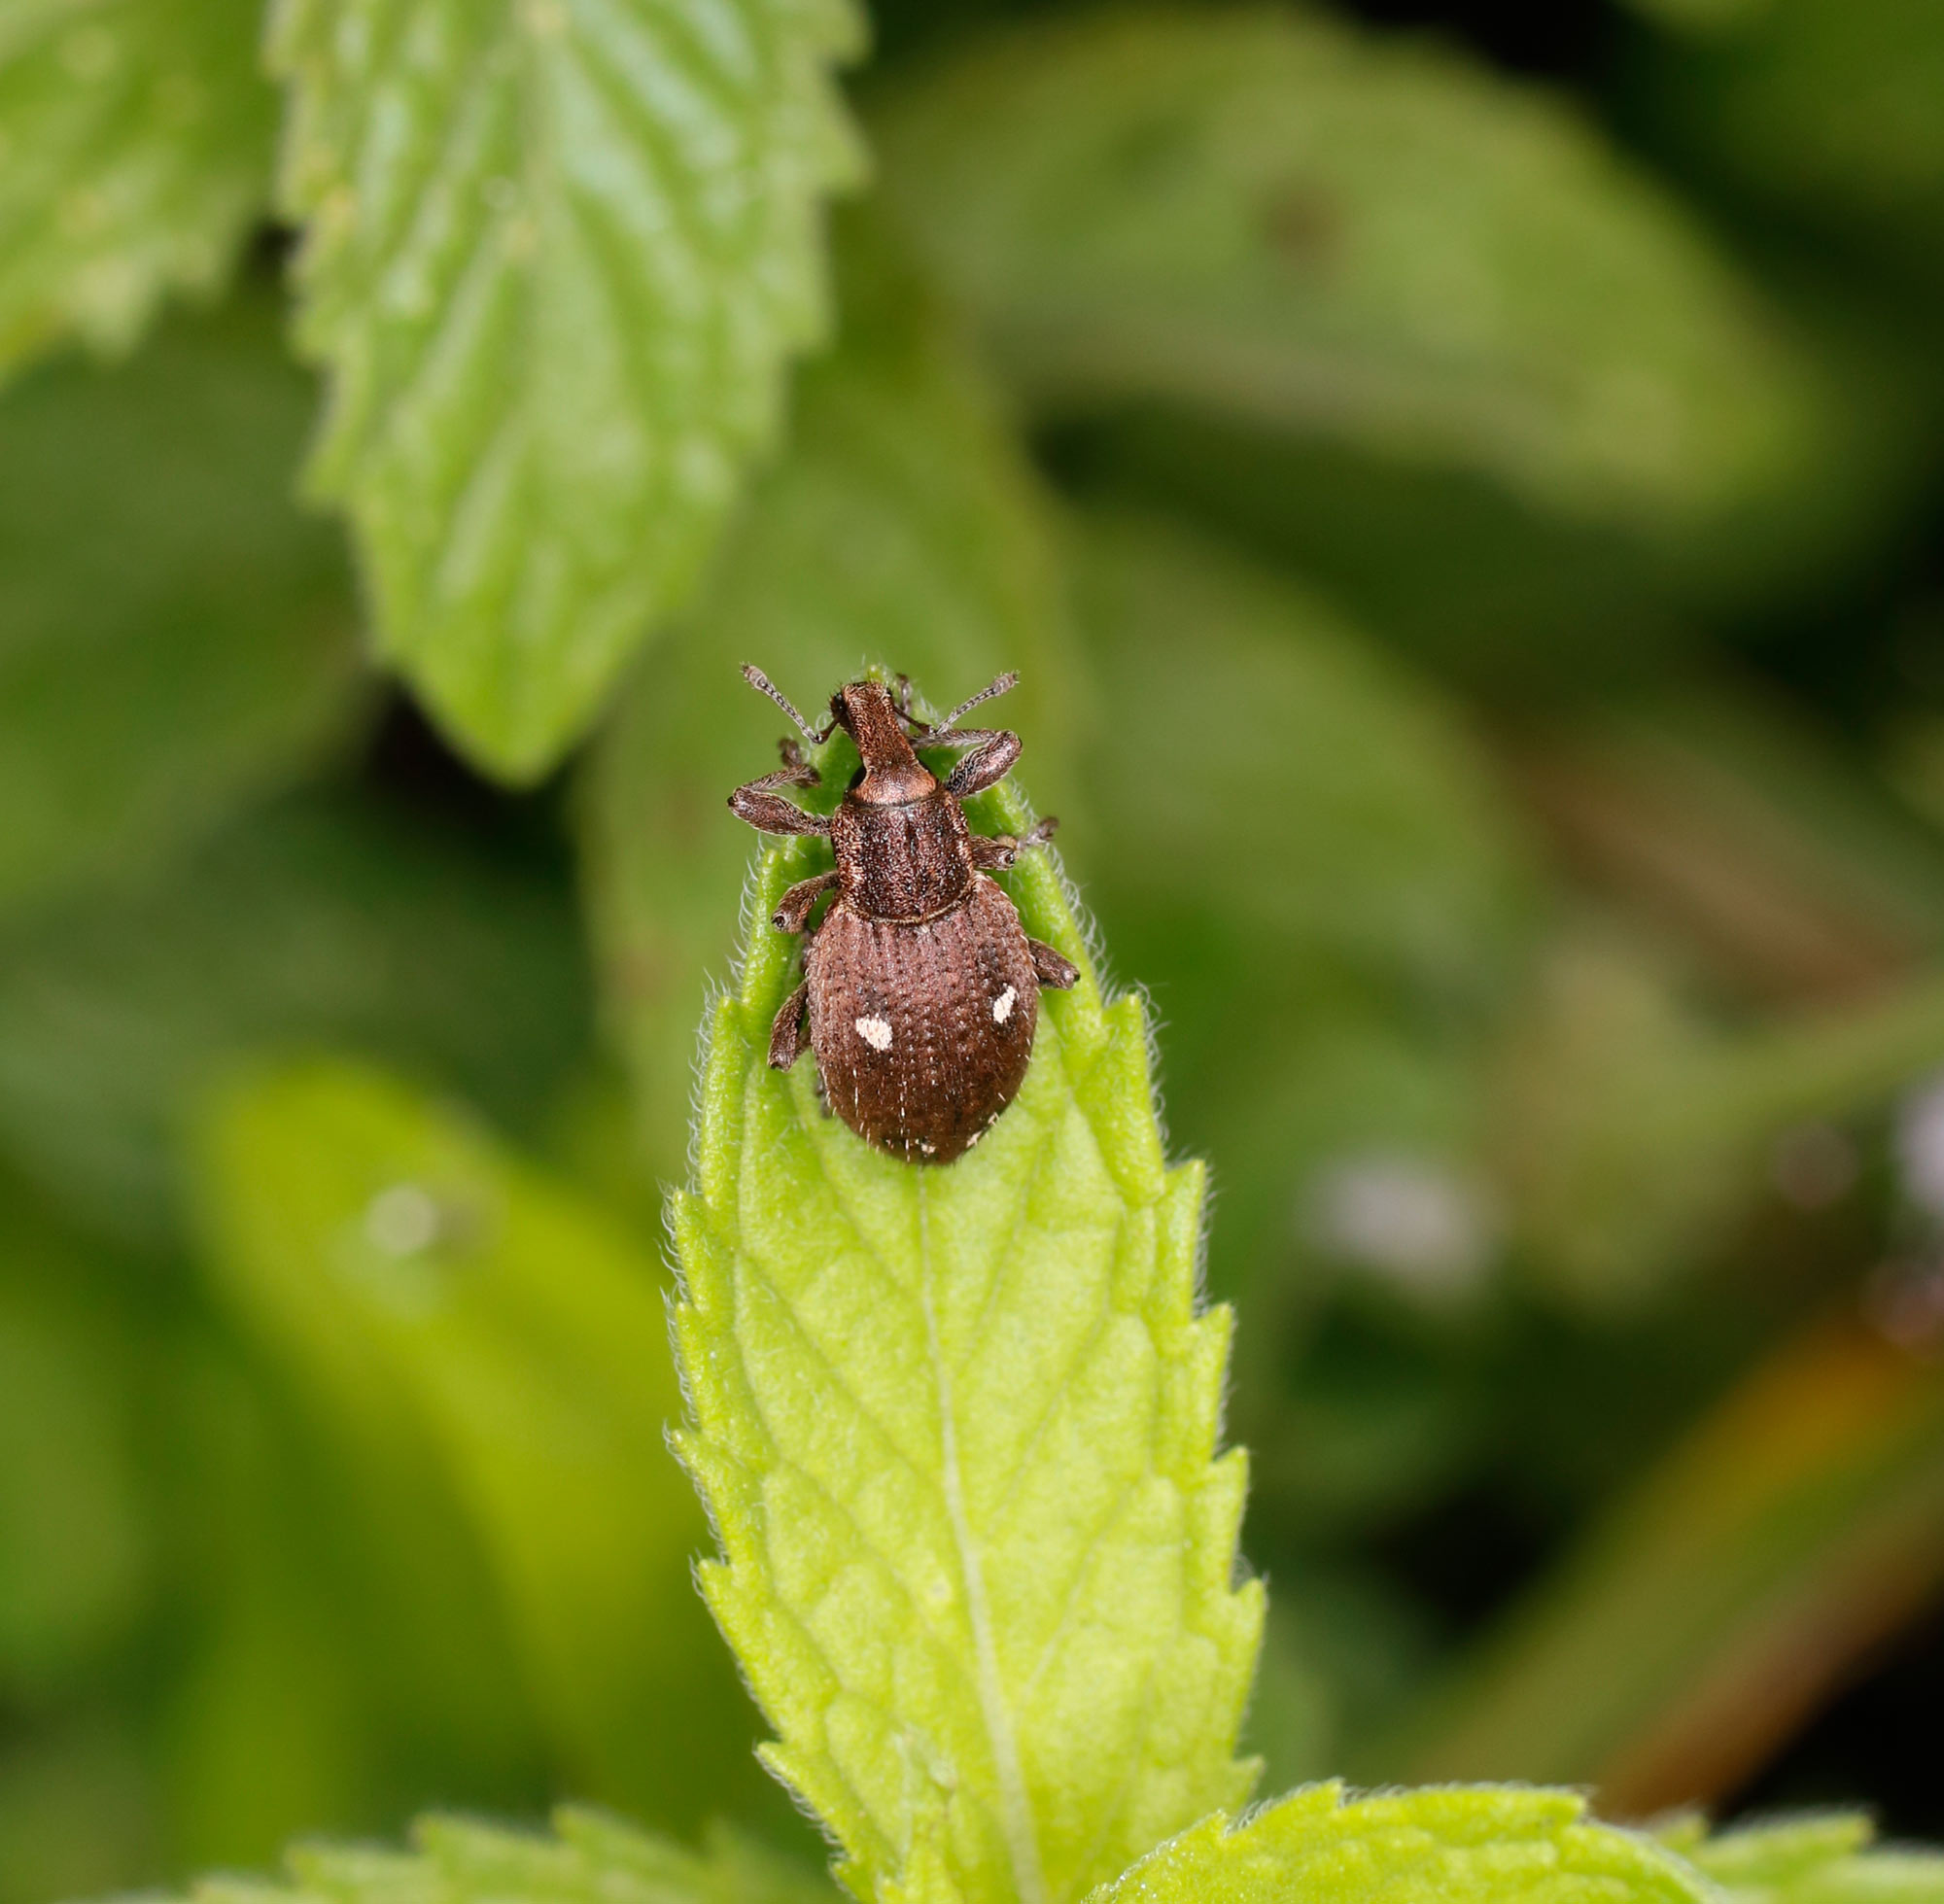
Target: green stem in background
x=1698, y=1622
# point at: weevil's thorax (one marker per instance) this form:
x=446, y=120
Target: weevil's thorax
x=903, y=849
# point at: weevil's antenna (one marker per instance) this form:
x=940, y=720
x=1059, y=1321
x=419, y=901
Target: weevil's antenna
x=989, y=692
x=762, y=684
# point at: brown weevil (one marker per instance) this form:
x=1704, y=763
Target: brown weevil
x=921, y=988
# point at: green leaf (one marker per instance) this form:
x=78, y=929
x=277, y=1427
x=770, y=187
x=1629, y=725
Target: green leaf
x=77, y=1559
x=556, y=256
x=904, y=523
x=75, y=1814
x=1504, y=592
x=318, y=922
x=1404, y=860
x=1823, y=1860
x=586, y=1860
x=1270, y=216
x=174, y=638
x=319, y=1679
x=1457, y=1844
x=135, y=148
x=422, y=1286
x=957, y=1429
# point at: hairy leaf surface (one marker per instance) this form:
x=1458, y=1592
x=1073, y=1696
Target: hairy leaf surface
x=1452, y=1844
x=587, y=1858
x=557, y=253
x=135, y=146
x=1267, y=215
x=958, y=1431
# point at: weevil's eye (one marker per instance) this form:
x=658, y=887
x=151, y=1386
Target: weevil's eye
x=856, y=780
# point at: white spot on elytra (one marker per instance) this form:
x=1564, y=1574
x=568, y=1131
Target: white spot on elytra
x=875, y=1032
x=1002, y=1005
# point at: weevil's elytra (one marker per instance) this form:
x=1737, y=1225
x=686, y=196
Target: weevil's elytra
x=921, y=988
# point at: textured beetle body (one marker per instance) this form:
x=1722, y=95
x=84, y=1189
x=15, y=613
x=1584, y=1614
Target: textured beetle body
x=921, y=991
x=922, y=1032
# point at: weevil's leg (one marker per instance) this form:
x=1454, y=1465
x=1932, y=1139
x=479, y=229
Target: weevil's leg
x=987, y=765
x=993, y=852
x=789, y=1035
x=1054, y=970
x=901, y=700
x=771, y=813
x=762, y=684
x=792, y=912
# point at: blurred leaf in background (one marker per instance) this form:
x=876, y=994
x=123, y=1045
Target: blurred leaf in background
x=1304, y=856
x=135, y=142
x=445, y=1313
x=1270, y=216
x=1827, y=108
x=174, y=638
x=543, y=396
x=313, y=922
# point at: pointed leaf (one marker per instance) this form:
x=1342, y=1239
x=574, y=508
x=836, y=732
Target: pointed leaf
x=957, y=1429
x=1271, y=216
x=557, y=253
x=135, y=147
x=1446, y=1845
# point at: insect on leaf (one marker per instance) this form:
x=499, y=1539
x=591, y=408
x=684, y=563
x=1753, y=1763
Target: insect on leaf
x=557, y=253
x=902, y=520
x=958, y=1431
x=135, y=147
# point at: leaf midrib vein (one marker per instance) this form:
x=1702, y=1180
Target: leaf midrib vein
x=1014, y=1806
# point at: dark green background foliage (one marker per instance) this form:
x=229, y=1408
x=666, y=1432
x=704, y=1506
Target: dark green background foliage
x=1465, y=496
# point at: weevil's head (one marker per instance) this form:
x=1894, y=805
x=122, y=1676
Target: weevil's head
x=891, y=775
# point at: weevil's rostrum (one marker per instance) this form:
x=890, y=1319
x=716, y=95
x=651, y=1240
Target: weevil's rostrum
x=921, y=988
